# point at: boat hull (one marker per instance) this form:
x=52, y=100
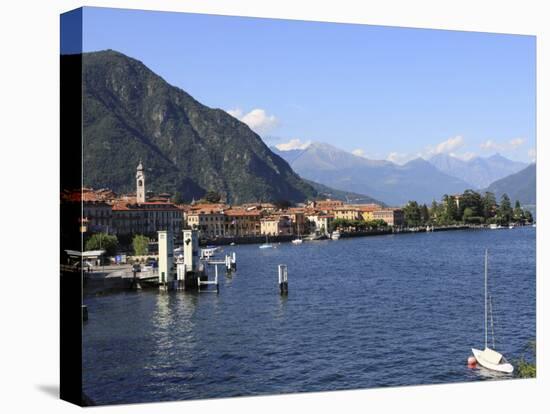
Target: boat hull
x=504, y=367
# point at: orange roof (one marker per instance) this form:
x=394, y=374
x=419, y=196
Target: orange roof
x=241, y=212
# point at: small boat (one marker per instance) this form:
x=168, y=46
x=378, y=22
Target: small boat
x=297, y=240
x=489, y=358
x=511, y=226
x=335, y=235
x=208, y=252
x=266, y=245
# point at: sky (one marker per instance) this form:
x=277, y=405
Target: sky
x=377, y=91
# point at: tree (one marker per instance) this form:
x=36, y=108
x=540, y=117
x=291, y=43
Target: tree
x=412, y=214
x=282, y=204
x=467, y=215
x=424, y=214
x=212, y=197
x=526, y=366
x=103, y=241
x=472, y=200
x=177, y=198
x=518, y=214
x=450, y=214
x=140, y=244
x=489, y=205
x=505, y=209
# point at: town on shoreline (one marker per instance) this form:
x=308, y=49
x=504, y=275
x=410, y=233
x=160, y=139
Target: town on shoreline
x=130, y=222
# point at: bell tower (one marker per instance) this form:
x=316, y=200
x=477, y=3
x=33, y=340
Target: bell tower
x=140, y=184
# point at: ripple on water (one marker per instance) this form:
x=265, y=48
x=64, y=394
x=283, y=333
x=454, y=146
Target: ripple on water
x=364, y=312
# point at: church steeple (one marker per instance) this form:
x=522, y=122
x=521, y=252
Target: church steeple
x=140, y=183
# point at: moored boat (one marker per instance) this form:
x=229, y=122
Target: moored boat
x=489, y=358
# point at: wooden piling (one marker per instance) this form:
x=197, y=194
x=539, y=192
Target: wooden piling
x=283, y=279
x=84, y=312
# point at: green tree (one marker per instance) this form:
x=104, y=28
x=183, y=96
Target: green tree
x=450, y=212
x=472, y=200
x=412, y=214
x=424, y=214
x=526, y=366
x=518, y=214
x=528, y=216
x=140, y=244
x=103, y=241
x=212, y=197
x=505, y=209
x=177, y=198
x=467, y=215
x=489, y=205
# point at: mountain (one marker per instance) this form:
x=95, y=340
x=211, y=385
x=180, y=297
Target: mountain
x=394, y=184
x=132, y=114
x=324, y=192
x=478, y=172
x=520, y=186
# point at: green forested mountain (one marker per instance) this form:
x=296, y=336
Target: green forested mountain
x=131, y=114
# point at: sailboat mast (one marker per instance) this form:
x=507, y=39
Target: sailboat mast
x=486, y=298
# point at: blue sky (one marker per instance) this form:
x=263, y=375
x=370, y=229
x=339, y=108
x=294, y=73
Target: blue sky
x=382, y=92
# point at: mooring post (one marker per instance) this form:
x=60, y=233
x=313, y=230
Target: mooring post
x=216, y=278
x=84, y=312
x=234, y=261
x=283, y=279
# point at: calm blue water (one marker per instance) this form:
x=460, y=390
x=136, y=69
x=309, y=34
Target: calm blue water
x=361, y=313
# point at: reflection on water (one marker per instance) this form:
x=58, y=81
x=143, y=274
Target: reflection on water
x=365, y=312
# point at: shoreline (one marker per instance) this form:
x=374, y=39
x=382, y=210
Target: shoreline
x=288, y=238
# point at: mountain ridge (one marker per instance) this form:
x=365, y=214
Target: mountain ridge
x=132, y=114
x=520, y=186
x=392, y=183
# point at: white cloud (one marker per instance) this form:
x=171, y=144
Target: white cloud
x=449, y=146
x=532, y=154
x=510, y=145
x=401, y=158
x=465, y=156
x=359, y=152
x=257, y=119
x=237, y=113
x=446, y=147
x=293, y=144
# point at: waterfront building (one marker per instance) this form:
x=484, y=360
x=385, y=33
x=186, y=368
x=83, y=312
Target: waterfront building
x=367, y=210
x=320, y=223
x=392, y=216
x=146, y=218
x=98, y=216
x=209, y=221
x=242, y=222
x=279, y=225
x=298, y=219
x=347, y=213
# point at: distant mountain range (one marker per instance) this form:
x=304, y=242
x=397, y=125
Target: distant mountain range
x=393, y=184
x=519, y=186
x=132, y=114
x=478, y=172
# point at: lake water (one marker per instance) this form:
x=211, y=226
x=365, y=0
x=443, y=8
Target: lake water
x=361, y=313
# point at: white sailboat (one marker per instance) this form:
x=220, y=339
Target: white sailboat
x=266, y=245
x=489, y=358
x=297, y=240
